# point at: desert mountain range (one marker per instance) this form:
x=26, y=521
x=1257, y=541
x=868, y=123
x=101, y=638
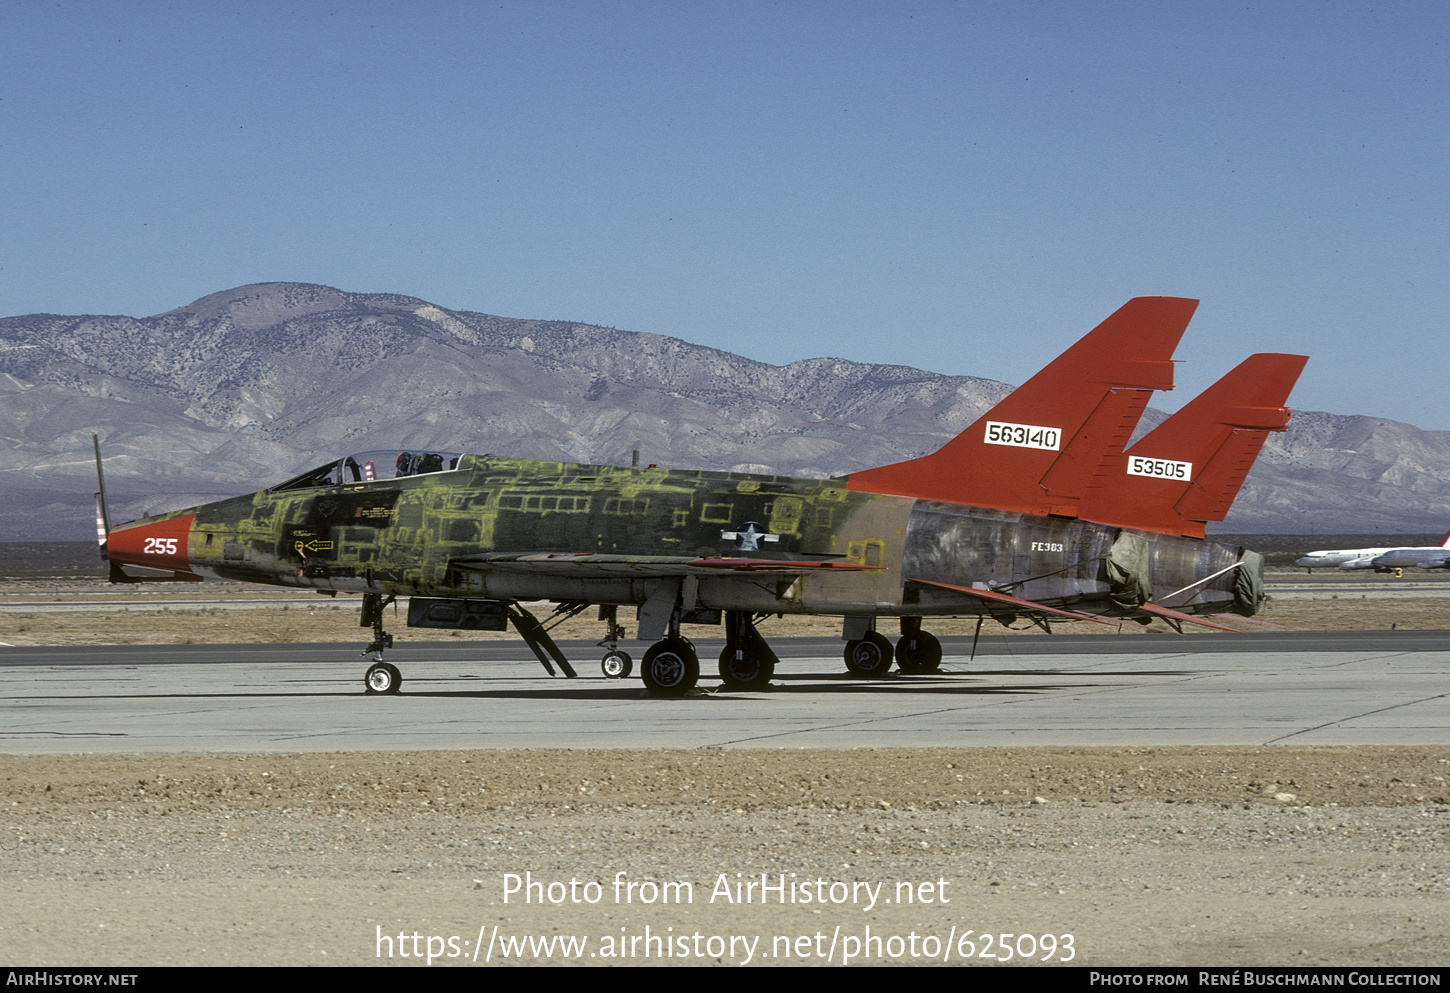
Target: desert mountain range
x=249, y=386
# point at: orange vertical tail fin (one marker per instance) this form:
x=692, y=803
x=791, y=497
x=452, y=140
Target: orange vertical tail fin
x=1188, y=470
x=1039, y=449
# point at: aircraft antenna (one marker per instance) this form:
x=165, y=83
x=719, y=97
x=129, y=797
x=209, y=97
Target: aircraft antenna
x=103, y=510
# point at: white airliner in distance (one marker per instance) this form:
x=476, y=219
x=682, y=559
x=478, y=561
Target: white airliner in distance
x=1425, y=557
x=1373, y=558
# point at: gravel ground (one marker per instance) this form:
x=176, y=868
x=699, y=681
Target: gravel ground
x=1187, y=856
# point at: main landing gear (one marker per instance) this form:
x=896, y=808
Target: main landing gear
x=869, y=656
x=917, y=652
x=670, y=667
x=746, y=662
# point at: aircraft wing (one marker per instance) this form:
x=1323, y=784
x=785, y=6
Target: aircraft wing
x=594, y=564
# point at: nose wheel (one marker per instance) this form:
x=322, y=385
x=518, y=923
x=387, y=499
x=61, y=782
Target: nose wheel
x=616, y=664
x=382, y=678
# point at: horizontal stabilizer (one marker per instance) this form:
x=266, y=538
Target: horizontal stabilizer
x=1177, y=615
x=1037, y=450
x=1025, y=606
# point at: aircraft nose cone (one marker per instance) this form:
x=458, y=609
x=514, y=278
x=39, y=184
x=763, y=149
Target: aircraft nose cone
x=159, y=544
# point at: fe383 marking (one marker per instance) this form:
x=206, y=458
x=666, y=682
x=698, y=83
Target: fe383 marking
x=1160, y=468
x=1024, y=435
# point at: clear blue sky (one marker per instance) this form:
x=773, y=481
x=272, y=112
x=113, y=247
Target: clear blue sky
x=961, y=187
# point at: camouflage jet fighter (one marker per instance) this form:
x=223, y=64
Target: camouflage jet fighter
x=1017, y=516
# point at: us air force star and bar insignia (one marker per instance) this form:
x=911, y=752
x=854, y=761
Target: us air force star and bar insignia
x=748, y=536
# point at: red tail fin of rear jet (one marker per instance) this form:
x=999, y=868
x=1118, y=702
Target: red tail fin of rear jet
x=1037, y=450
x=1189, y=469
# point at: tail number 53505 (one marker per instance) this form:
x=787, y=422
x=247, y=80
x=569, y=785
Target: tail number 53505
x=1160, y=468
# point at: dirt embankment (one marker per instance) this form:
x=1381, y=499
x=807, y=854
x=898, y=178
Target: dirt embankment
x=1173, y=856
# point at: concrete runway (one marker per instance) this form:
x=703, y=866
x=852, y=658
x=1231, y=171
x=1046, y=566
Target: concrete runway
x=1346, y=688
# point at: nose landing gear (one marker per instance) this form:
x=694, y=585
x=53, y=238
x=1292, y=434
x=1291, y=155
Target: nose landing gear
x=381, y=677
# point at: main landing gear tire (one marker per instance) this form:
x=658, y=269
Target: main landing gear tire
x=869, y=657
x=670, y=668
x=923, y=657
x=616, y=665
x=382, y=678
x=752, y=671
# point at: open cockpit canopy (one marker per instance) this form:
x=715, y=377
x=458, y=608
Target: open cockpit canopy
x=366, y=467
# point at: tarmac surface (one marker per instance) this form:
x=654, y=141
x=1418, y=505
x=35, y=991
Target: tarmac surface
x=1344, y=688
